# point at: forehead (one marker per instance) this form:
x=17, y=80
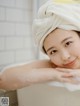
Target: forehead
x=59, y=34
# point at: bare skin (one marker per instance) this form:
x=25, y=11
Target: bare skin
x=28, y=74
x=60, y=47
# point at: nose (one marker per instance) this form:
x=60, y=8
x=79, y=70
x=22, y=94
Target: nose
x=65, y=55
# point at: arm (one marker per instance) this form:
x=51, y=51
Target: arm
x=20, y=76
x=28, y=74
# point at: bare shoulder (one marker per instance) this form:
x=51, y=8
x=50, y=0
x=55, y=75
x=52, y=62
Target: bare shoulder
x=41, y=64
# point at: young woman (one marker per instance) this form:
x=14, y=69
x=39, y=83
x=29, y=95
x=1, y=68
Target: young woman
x=56, y=31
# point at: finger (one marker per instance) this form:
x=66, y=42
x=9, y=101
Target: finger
x=75, y=73
x=67, y=75
x=63, y=70
x=72, y=81
x=65, y=80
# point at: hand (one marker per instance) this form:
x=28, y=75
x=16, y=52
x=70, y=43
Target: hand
x=74, y=72
x=64, y=77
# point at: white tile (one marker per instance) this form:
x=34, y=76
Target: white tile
x=27, y=16
x=24, y=4
x=1, y=68
x=9, y=3
x=13, y=32
x=2, y=13
x=29, y=30
x=7, y=29
x=6, y=57
x=15, y=15
x=2, y=43
x=22, y=56
x=27, y=42
x=21, y=29
x=18, y=15
x=13, y=43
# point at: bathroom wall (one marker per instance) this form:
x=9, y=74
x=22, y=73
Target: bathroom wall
x=15, y=35
x=15, y=31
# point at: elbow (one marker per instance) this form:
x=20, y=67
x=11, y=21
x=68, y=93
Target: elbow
x=7, y=87
x=4, y=85
x=1, y=81
x=12, y=83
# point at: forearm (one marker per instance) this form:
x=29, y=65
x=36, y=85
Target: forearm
x=20, y=76
x=12, y=79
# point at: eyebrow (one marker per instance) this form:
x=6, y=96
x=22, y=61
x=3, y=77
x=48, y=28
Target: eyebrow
x=65, y=39
x=61, y=42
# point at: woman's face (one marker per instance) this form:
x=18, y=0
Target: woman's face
x=63, y=48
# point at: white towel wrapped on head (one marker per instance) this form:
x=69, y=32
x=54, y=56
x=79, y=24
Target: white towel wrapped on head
x=52, y=15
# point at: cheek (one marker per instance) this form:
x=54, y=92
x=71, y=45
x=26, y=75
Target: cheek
x=77, y=53
x=76, y=50
x=56, y=61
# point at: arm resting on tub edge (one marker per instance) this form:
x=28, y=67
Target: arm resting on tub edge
x=27, y=74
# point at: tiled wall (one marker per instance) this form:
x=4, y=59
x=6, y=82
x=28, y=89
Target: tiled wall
x=15, y=31
x=15, y=36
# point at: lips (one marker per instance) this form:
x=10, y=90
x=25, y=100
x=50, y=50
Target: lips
x=70, y=63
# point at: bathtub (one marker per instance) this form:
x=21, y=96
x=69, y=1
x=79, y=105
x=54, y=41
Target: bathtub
x=45, y=95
